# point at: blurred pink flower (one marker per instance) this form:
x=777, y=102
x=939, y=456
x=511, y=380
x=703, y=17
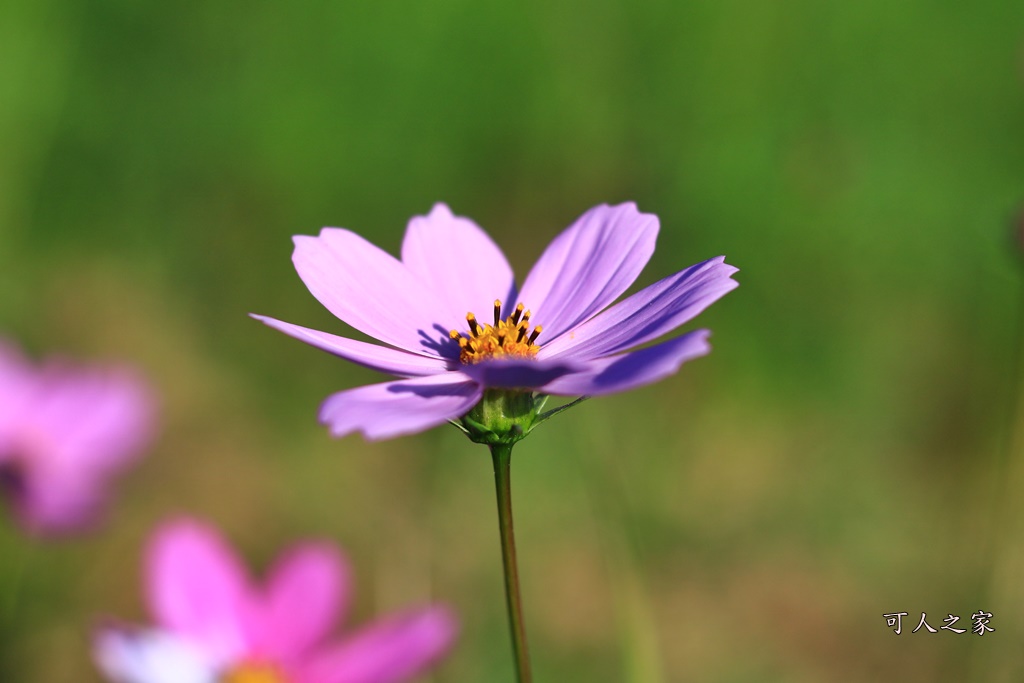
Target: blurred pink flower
x=65, y=432
x=215, y=626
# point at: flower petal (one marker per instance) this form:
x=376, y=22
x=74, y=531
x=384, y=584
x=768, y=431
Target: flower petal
x=588, y=266
x=648, y=314
x=464, y=266
x=373, y=292
x=634, y=369
x=126, y=656
x=383, y=411
x=64, y=433
x=197, y=588
x=18, y=379
x=92, y=419
x=373, y=356
x=48, y=500
x=305, y=593
x=389, y=651
x=515, y=373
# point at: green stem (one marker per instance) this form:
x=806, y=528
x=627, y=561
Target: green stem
x=502, y=456
x=15, y=580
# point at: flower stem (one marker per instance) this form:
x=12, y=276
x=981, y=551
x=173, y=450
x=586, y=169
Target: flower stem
x=502, y=456
x=16, y=577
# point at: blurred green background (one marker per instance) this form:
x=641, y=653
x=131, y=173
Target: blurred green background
x=844, y=452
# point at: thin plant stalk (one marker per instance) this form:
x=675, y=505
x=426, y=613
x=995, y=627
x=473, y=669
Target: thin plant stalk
x=501, y=454
x=16, y=585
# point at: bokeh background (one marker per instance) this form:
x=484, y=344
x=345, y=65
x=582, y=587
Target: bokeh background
x=845, y=451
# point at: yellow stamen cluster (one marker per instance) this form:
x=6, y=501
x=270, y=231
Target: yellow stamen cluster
x=254, y=672
x=510, y=337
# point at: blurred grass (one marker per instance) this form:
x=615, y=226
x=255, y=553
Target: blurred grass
x=835, y=458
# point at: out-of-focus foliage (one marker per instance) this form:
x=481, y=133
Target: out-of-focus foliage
x=840, y=455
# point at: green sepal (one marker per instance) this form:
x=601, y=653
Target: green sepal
x=503, y=417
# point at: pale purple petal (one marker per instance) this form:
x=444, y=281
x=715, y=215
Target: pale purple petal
x=634, y=369
x=197, y=587
x=305, y=593
x=373, y=356
x=390, y=651
x=127, y=656
x=519, y=373
x=382, y=411
x=464, y=266
x=650, y=313
x=588, y=266
x=374, y=292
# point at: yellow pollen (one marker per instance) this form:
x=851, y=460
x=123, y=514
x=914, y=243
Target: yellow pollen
x=505, y=339
x=474, y=326
x=254, y=672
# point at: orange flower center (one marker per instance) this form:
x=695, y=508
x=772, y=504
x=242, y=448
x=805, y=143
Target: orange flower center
x=508, y=338
x=254, y=672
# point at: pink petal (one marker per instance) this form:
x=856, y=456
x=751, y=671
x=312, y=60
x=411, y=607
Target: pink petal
x=306, y=592
x=383, y=411
x=373, y=356
x=94, y=418
x=51, y=502
x=197, y=588
x=588, y=266
x=464, y=266
x=373, y=292
x=69, y=431
x=631, y=370
x=390, y=651
x=17, y=384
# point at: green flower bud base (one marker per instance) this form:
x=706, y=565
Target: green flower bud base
x=503, y=417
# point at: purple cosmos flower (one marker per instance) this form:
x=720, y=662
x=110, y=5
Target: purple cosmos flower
x=65, y=432
x=215, y=626
x=558, y=334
